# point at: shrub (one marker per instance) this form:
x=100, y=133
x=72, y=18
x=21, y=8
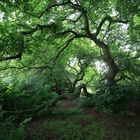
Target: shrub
x=8, y=130
x=87, y=102
x=112, y=99
x=115, y=99
x=39, y=103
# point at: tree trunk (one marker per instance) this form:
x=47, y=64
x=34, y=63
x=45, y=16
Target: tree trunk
x=78, y=89
x=112, y=67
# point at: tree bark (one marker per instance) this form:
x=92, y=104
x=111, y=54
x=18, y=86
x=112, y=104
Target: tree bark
x=78, y=89
x=109, y=60
x=112, y=67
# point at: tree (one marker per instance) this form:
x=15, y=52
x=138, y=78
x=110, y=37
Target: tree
x=49, y=27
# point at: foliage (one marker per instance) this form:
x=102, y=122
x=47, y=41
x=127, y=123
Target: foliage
x=44, y=36
x=36, y=32
x=12, y=101
x=8, y=130
x=112, y=99
x=86, y=102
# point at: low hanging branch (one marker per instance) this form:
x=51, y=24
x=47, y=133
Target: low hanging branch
x=26, y=67
x=78, y=89
x=22, y=43
x=62, y=49
x=111, y=21
x=79, y=75
x=38, y=27
x=18, y=56
x=26, y=111
x=35, y=110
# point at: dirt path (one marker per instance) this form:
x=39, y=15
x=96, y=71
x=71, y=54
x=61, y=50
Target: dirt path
x=94, y=125
x=68, y=104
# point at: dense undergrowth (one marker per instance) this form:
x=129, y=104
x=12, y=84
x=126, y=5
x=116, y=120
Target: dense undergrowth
x=19, y=107
x=113, y=99
x=80, y=125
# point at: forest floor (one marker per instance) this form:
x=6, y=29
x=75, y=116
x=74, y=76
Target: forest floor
x=69, y=122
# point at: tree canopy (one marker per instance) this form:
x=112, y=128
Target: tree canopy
x=42, y=34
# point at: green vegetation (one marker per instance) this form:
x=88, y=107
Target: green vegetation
x=73, y=59
x=81, y=127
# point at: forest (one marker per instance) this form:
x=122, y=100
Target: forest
x=69, y=69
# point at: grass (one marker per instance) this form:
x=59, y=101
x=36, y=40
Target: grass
x=75, y=124
x=76, y=127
